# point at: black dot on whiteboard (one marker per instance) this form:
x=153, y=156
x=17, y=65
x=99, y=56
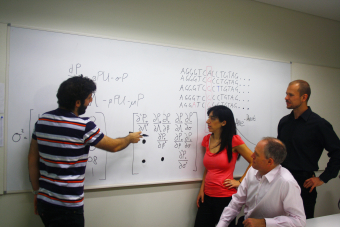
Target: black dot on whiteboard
x=162, y=159
x=143, y=161
x=144, y=141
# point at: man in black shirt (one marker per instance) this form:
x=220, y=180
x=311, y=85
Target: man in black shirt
x=305, y=135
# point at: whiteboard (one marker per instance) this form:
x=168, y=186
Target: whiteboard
x=162, y=91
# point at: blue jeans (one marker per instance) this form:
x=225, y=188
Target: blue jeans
x=53, y=216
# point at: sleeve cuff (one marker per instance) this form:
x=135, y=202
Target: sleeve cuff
x=270, y=222
x=323, y=179
x=221, y=224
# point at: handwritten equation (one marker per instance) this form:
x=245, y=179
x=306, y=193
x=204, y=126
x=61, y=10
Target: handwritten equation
x=171, y=133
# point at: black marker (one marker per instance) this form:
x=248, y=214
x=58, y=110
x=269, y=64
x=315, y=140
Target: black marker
x=141, y=134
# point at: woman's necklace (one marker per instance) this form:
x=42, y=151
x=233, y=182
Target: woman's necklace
x=214, y=143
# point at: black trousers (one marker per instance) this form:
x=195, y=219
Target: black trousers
x=240, y=222
x=308, y=198
x=53, y=216
x=209, y=212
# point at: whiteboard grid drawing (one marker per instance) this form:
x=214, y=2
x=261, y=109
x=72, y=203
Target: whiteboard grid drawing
x=162, y=91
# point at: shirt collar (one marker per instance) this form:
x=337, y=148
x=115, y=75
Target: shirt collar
x=305, y=115
x=64, y=111
x=269, y=176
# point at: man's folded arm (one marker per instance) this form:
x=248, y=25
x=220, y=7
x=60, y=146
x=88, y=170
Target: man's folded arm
x=293, y=206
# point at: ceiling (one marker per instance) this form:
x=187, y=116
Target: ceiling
x=323, y=8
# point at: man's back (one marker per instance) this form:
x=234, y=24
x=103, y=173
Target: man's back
x=63, y=141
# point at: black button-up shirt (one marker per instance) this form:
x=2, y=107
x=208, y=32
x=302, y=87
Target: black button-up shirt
x=305, y=138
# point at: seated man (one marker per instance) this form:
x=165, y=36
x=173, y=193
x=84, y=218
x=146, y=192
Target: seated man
x=269, y=192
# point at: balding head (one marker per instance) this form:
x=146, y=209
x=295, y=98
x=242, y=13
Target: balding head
x=303, y=89
x=274, y=149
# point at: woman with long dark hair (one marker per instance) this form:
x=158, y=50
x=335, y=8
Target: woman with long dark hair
x=223, y=146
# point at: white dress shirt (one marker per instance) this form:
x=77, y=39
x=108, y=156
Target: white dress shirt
x=274, y=197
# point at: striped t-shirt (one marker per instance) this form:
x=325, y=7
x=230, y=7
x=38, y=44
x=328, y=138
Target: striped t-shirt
x=64, y=141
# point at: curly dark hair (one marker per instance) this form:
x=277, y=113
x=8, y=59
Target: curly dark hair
x=73, y=89
x=223, y=113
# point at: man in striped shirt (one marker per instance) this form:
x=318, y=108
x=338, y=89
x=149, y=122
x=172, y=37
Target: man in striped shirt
x=59, y=151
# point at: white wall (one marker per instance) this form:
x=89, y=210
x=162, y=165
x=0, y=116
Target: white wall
x=237, y=27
